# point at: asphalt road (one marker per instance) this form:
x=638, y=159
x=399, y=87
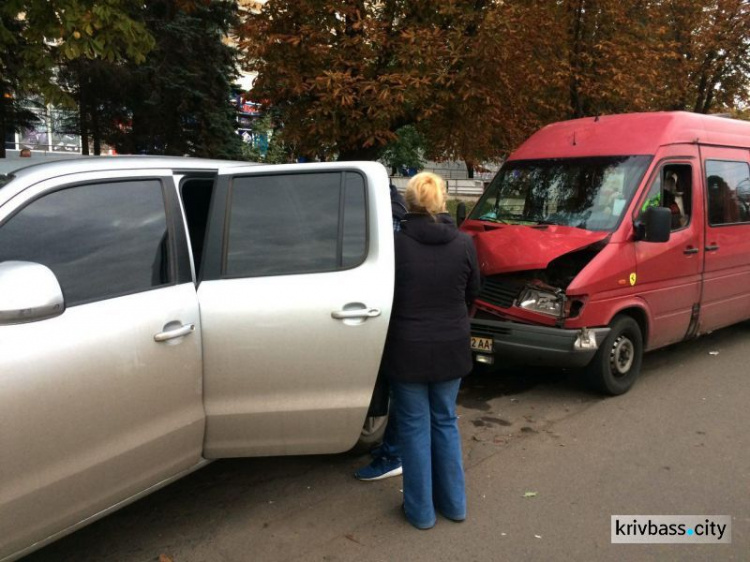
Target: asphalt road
x=547, y=464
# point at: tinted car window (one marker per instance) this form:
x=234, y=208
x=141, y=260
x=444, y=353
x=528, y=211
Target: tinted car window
x=295, y=223
x=728, y=193
x=100, y=240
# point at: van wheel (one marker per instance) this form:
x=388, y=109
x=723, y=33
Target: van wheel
x=617, y=363
x=372, y=433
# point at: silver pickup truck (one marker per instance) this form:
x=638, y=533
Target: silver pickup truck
x=157, y=313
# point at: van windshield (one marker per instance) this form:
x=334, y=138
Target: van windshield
x=589, y=193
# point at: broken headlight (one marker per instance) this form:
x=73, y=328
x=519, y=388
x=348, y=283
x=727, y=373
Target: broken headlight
x=545, y=302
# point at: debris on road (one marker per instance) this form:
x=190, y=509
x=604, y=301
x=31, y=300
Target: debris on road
x=530, y=495
x=350, y=537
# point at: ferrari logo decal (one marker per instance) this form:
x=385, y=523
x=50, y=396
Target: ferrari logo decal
x=632, y=279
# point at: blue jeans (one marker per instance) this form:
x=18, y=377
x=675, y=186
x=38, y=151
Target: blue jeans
x=430, y=451
x=389, y=446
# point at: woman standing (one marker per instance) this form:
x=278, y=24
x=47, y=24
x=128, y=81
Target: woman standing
x=427, y=350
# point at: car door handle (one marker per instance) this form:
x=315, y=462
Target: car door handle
x=357, y=313
x=712, y=248
x=690, y=250
x=183, y=330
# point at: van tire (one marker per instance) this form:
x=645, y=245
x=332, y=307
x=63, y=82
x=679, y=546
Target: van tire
x=617, y=363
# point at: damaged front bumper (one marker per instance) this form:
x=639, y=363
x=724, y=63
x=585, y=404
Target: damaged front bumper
x=527, y=344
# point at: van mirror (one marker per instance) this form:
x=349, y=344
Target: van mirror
x=654, y=225
x=460, y=213
x=28, y=292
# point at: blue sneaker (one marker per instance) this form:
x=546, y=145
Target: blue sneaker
x=379, y=469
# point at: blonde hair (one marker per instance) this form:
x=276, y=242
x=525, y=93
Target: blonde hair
x=425, y=193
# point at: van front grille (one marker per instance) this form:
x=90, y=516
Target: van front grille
x=490, y=330
x=499, y=292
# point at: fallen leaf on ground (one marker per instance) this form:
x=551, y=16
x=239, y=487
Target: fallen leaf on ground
x=529, y=495
x=351, y=538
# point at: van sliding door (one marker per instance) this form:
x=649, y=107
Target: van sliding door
x=726, y=282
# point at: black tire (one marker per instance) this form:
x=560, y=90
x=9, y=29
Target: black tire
x=617, y=364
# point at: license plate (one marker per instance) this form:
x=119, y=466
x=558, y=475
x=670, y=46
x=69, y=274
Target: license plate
x=481, y=344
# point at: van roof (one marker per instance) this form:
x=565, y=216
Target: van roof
x=631, y=134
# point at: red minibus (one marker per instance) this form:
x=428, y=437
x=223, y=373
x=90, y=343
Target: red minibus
x=604, y=237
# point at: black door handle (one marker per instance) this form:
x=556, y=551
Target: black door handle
x=712, y=248
x=688, y=251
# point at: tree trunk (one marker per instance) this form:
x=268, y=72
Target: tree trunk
x=82, y=116
x=84, y=134
x=576, y=33
x=96, y=132
x=470, y=169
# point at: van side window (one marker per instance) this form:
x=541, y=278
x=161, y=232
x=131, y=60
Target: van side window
x=100, y=240
x=673, y=190
x=285, y=224
x=728, y=185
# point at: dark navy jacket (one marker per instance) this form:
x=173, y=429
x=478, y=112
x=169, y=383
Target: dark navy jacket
x=437, y=277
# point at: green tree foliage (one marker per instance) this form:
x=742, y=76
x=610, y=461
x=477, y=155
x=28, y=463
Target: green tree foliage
x=42, y=32
x=406, y=151
x=96, y=88
x=178, y=98
x=13, y=115
x=37, y=36
x=268, y=147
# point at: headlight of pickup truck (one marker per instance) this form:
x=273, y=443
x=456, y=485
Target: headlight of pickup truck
x=541, y=301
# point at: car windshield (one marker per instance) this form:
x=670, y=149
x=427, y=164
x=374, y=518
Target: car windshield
x=590, y=193
x=5, y=179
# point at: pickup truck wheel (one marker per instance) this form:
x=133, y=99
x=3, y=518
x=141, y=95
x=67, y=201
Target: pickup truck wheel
x=617, y=363
x=372, y=433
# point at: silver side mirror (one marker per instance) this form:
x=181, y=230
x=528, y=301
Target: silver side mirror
x=28, y=292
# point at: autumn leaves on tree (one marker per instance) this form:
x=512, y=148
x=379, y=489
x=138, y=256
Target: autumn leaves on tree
x=343, y=79
x=476, y=77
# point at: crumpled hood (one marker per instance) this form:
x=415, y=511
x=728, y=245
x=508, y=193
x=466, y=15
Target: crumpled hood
x=518, y=248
